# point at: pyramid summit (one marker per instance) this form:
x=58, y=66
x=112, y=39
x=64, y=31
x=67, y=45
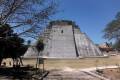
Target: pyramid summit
x=63, y=39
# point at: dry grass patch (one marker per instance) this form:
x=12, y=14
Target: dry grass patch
x=76, y=63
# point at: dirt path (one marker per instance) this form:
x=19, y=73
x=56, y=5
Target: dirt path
x=69, y=75
x=76, y=74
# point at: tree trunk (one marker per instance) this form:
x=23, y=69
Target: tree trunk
x=21, y=61
x=1, y=61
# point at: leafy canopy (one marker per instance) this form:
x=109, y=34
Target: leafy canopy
x=11, y=45
x=40, y=45
x=112, y=30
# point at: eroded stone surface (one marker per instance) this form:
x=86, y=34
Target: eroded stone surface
x=64, y=40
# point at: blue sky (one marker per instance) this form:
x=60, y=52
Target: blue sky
x=92, y=16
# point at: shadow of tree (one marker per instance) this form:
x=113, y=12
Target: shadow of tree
x=19, y=72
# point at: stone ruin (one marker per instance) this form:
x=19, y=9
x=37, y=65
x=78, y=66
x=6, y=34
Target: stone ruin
x=63, y=39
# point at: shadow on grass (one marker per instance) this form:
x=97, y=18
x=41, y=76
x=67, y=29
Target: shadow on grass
x=19, y=72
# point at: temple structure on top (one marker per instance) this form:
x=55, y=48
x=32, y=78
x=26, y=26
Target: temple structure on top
x=63, y=39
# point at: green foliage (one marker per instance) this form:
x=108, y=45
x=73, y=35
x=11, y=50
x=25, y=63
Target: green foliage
x=62, y=22
x=5, y=30
x=15, y=40
x=112, y=31
x=116, y=45
x=11, y=45
x=40, y=45
x=28, y=42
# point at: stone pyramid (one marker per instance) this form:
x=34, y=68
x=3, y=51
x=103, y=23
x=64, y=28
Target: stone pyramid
x=63, y=39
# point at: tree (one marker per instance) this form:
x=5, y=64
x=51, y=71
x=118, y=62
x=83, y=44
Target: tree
x=40, y=45
x=117, y=45
x=112, y=30
x=11, y=45
x=27, y=16
x=5, y=30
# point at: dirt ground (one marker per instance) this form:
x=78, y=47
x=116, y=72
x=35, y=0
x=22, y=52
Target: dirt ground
x=76, y=63
x=112, y=74
x=69, y=75
x=62, y=64
x=72, y=63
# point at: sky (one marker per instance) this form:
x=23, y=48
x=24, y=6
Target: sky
x=92, y=16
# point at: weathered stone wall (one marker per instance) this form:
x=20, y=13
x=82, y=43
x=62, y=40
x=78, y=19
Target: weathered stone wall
x=61, y=43
x=64, y=40
x=85, y=47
